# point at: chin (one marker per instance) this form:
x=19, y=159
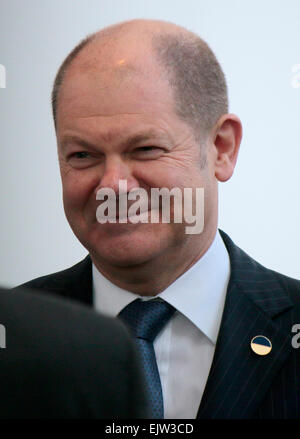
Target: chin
x=127, y=249
x=125, y=257
x=127, y=244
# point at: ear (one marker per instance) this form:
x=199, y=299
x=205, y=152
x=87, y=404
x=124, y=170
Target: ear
x=227, y=136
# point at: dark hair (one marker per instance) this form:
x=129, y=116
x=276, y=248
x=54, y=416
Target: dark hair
x=193, y=72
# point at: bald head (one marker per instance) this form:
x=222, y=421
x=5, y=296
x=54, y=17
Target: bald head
x=190, y=68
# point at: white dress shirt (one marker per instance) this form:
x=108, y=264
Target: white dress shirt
x=185, y=347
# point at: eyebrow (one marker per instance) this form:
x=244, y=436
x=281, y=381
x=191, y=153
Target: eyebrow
x=132, y=140
x=75, y=139
x=145, y=136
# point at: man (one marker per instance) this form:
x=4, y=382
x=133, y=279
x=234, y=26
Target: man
x=145, y=102
x=63, y=360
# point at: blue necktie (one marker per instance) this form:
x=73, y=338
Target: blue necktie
x=145, y=320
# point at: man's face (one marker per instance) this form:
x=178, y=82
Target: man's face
x=118, y=123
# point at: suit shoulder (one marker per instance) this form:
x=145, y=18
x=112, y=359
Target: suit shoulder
x=257, y=278
x=54, y=280
x=291, y=285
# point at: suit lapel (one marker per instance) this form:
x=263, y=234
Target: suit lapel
x=75, y=283
x=239, y=378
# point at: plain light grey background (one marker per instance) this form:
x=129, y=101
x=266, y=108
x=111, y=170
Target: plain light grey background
x=257, y=43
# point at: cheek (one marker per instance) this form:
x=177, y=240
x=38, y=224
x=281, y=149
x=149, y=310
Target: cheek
x=78, y=189
x=162, y=174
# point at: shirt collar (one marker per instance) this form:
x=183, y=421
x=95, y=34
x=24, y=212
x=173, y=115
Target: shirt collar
x=199, y=293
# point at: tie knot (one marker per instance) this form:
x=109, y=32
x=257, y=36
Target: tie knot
x=146, y=319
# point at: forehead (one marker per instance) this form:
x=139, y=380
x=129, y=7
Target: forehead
x=111, y=80
x=107, y=103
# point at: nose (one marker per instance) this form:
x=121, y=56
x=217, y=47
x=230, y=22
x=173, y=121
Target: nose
x=117, y=169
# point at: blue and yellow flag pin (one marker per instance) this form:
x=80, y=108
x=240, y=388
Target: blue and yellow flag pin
x=261, y=345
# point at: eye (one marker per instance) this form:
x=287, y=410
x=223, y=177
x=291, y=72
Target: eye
x=80, y=155
x=146, y=148
x=148, y=151
x=83, y=159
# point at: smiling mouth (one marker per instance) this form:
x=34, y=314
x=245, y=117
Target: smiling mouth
x=140, y=215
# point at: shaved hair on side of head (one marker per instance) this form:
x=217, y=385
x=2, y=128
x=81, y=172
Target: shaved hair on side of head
x=195, y=76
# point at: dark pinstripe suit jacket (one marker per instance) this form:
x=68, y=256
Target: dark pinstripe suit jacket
x=241, y=384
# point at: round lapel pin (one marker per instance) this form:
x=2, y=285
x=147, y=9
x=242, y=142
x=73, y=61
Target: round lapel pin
x=261, y=345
